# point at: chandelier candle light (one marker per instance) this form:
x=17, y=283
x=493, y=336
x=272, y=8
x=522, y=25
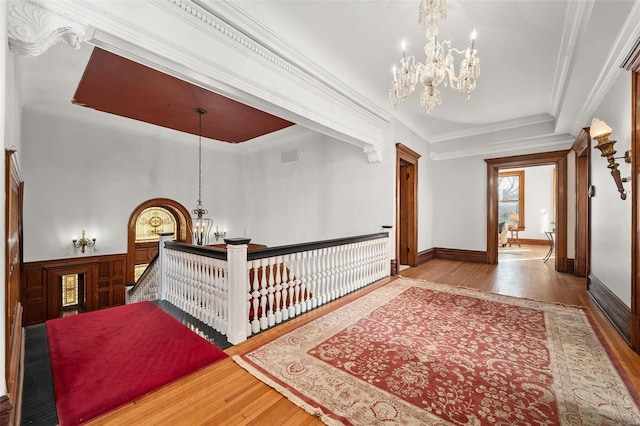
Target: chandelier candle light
x=201, y=225
x=438, y=66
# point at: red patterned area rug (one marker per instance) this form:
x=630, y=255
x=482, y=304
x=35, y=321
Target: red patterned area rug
x=414, y=352
x=104, y=359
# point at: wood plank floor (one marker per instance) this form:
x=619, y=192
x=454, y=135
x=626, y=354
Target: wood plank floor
x=224, y=394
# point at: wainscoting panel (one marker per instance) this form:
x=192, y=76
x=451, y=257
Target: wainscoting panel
x=618, y=313
x=104, y=285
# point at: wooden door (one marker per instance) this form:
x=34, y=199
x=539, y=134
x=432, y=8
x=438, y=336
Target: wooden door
x=582, y=147
x=14, y=189
x=405, y=176
x=406, y=205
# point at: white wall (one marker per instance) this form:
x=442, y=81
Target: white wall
x=86, y=172
x=92, y=176
x=611, y=216
x=460, y=203
x=332, y=191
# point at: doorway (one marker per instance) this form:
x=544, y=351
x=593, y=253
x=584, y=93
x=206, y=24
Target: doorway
x=73, y=289
x=406, y=205
x=557, y=158
x=146, y=223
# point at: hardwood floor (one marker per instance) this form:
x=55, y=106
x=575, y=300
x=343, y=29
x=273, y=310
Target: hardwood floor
x=224, y=394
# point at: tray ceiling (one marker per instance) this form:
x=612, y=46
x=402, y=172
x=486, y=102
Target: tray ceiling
x=122, y=87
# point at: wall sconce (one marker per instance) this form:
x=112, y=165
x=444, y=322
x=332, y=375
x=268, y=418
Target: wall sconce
x=83, y=242
x=219, y=234
x=600, y=132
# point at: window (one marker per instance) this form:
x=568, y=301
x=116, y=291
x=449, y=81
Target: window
x=152, y=222
x=511, y=198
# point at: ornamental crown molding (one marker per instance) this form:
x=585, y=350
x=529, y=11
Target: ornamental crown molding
x=32, y=29
x=230, y=22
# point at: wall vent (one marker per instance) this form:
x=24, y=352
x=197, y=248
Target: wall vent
x=289, y=156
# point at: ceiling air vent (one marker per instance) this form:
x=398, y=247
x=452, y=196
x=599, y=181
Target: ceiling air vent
x=289, y=156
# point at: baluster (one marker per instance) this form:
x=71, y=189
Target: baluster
x=301, y=305
x=278, y=290
x=271, y=288
x=313, y=295
x=263, y=294
x=255, y=324
x=317, y=277
x=249, y=290
x=286, y=276
x=294, y=308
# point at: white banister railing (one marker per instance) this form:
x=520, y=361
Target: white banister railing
x=198, y=285
x=240, y=293
x=284, y=286
x=148, y=285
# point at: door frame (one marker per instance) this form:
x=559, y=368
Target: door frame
x=183, y=222
x=406, y=155
x=582, y=148
x=54, y=287
x=635, y=209
x=557, y=158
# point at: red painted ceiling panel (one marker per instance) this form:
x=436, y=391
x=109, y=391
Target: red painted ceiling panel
x=119, y=86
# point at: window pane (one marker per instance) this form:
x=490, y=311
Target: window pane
x=509, y=188
x=506, y=209
x=152, y=222
x=69, y=290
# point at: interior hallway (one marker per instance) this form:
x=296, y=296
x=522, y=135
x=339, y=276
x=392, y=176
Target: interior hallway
x=226, y=394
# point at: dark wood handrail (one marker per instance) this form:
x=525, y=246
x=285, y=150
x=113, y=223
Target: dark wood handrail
x=218, y=253
x=295, y=248
x=144, y=274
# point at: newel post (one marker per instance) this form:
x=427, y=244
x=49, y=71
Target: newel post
x=238, y=281
x=162, y=265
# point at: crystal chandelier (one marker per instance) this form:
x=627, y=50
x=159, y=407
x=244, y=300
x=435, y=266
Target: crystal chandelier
x=438, y=66
x=200, y=224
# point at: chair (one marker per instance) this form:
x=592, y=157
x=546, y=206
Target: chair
x=503, y=234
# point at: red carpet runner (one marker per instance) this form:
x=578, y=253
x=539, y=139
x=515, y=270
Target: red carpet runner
x=104, y=359
x=413, y=352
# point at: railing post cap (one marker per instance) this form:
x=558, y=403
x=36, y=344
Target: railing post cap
x=237, y=241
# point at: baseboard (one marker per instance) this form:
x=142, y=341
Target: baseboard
x=614, y=309
x=533, y=241
x=426, y=256
x=571, y=263
x=475, y=256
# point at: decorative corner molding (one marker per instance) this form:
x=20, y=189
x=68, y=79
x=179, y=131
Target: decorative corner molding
x=32, y=30
x=618, y=55
x=576, y=19
x=374, y=155
x=493, y=127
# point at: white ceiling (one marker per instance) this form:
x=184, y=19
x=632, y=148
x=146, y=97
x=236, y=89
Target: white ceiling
x=540, y=62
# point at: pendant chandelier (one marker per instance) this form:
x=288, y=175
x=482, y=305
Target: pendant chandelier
x=201, y=225
x=438, y=66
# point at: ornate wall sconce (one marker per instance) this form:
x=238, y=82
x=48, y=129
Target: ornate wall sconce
x=83, y=242
x=219, y=234
x=600, y=132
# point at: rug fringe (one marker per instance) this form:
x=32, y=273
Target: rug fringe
x=314, y=411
